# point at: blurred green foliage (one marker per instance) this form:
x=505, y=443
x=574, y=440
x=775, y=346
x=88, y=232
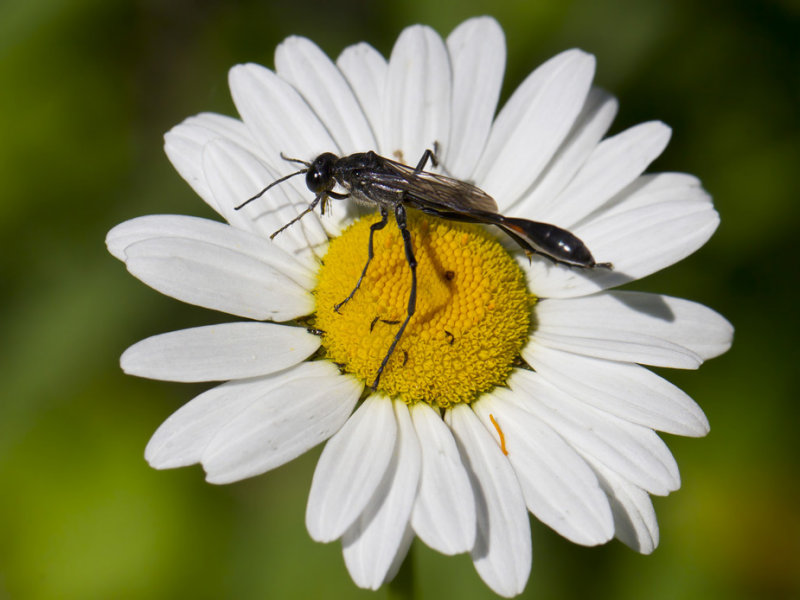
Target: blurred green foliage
x=88, y=88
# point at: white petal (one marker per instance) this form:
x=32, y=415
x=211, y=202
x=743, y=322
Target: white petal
x=402, y=551
x=633, y=327
x=365, y=70
x=655, y=222
x=639, y=236
x=156, y=226
x=277, y=115
x=634, y=517
x=615, y=163
x=532, y=125
x=656, y=188
x=352, y=465
x=417, y=95
x=371, y=544
x=219, y=352
x=591, y=125
x=181, y=439
x=184, y=145
x=478, y=58
x=627, y=390
x=502, y=552
x=280, y=120
x=643, y=240
x=444, y=513
x=634, y=452
x=193, y=228
x=560, y=489
x=300, y=62
x=213, y=276
x=234, y=175
x=303, y=411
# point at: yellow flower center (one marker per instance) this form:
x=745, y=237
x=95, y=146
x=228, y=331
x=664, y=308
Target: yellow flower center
x=472, y=311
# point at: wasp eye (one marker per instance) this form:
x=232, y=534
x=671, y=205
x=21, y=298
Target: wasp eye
x=320, y=174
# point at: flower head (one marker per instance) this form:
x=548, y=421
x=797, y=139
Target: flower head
x=517, y=384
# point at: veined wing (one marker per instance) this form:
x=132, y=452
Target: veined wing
x=440, y=192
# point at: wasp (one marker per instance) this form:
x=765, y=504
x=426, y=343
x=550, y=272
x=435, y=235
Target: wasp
x=394, y=187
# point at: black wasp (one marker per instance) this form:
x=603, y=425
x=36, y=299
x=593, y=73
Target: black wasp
x=392, y=186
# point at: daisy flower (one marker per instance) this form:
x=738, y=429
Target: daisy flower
x=518, y=385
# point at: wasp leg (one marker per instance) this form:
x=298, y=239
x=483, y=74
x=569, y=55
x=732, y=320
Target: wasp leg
x=307, y=210
x=370, y=253
x=426, y=156
x=400, y=217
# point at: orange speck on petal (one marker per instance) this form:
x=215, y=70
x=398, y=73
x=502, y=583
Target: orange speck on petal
x=501, y=434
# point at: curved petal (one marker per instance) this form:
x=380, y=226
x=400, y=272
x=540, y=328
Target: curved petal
x=591, y=125
x=151, y=227
x=559, y=487
x=634, y=516
x=352, y=466
x=213, y=276
x=279, y=119
x=644, y=240
x=184, y=145
x=626, y=390
x=615, y=163
x=296, y=415
x=633, y=327
x=365, y=70
x=219, y=352
x=277, y=115
x=502, y=552
x=532, y=125
x=634, y=452
x=444, y=513
x=371, y=544
x=478, y=58
x=182, y=438
x=652, y=189
x=416, y=99
x=299, y=61
x=653, y=223
x=638, y=241
x=402, y=552
x=234, y=175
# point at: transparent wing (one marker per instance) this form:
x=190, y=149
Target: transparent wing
x=438, y=192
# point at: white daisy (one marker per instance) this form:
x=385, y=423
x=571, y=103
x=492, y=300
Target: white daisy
x=517, y=386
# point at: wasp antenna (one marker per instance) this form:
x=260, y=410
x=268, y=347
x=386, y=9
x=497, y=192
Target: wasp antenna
x=274, y=183
x=296, y=160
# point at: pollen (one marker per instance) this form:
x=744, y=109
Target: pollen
x=472, y=318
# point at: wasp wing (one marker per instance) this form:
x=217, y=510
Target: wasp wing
x=457, y=200
x=438, y=192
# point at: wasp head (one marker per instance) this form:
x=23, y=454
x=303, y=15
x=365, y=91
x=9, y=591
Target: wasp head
x=319, y=177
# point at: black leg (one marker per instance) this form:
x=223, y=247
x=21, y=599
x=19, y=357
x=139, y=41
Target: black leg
x=370, y=253
x=426, y=156
x=308, y=209
x=400, y=217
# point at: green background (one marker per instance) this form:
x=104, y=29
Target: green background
x=87, y=88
